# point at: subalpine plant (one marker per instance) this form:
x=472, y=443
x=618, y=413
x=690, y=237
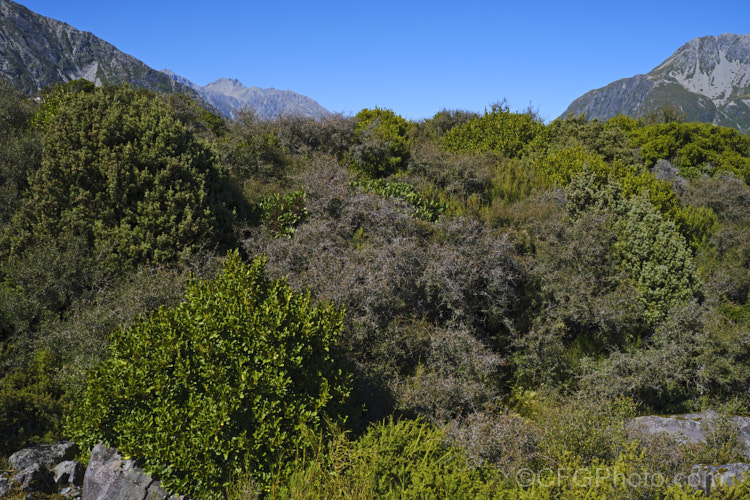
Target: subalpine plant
x=119, y=169
x=381, y=143
x=218, y=385
x=656, y=259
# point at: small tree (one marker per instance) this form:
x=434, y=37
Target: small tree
x=381, y=144
x=225, y=380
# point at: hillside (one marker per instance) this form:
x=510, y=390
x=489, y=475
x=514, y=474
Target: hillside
x=36, y=51
x=708, y=79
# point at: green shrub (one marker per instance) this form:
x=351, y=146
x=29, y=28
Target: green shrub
x=405, y=459
x=32, y=403
x=656, y=259
x=381, y=143
x=119, y=169
x=225, y=380
x=282, y=214
x=425, y=207
x=499, y=131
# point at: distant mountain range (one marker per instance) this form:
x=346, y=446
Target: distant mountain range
x=37, y=51
x=230, y=97
x=708, y=78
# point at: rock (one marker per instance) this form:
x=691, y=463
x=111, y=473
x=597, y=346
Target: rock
x=664, y=171
x=691, y=427
x=47, y=455
x=4, y=486
x=35, y=478
x=110, y=477
x=714, y=475
x=68, y=472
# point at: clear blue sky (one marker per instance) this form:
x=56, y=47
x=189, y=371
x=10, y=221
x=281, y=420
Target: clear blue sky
x=415, y=57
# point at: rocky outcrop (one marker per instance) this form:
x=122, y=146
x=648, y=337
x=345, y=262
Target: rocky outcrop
x=693, y=428
x=48, y=455
x=708, y=78
x=111, y=477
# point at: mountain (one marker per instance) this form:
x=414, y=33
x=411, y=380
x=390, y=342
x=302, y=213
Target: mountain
x=36, y=51
x=708, y=78
x=230, y=97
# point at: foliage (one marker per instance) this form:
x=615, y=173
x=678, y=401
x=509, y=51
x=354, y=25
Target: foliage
x=121, y=171
x=656, y=259
x=499, y=130
x=282, y=214
x=394, y=459
x=32, y=403
x=226, y=378
x=695, y=148
x=381, y=143
x=425, y=207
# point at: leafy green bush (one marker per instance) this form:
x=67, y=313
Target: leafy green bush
x=381, y=143
x=119, y=169
x=499, y=130
x=282, y=214
x=656, y=258
x=695, y=148
x=32, y=403
x=425, y=207
x=222, y=381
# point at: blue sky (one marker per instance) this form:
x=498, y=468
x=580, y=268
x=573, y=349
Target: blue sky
x=413, y=57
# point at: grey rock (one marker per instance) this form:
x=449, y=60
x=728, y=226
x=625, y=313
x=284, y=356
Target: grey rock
x=4, y=486
x=68, y=472
x=710, y=476
x=691, y=427
x=110, y=477
x=47, y=454
x=36, y=51
x=35, y=477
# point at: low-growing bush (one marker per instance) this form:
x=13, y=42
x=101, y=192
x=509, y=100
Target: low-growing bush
x=221, y=382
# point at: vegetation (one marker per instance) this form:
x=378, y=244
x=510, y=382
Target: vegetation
x=460, y=307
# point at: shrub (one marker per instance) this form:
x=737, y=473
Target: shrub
x=382, y=145
x=121, y=171
x=499, y=131
x=393, y=460
x=223, y=380
x=282, y=214
x=656, y=259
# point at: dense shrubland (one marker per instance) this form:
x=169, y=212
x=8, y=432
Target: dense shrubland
x=407, y=309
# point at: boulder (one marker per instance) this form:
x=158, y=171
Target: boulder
x=68, y=472
x=35, y=478
x=110, y=477
x=4, y=486
x=47, y=455
x=714, y=475
x=691, y=427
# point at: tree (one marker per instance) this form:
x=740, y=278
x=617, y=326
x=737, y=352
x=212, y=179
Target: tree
x=227, y=379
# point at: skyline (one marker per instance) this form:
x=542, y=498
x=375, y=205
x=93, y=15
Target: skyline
x=415, y=58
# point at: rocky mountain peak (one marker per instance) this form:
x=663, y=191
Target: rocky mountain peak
x=708, y=78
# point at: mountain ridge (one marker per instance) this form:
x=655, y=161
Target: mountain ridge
x=38, y=51
x=230, y=97
x=708, y=78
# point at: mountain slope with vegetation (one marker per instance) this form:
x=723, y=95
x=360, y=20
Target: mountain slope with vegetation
x=369, y=307
x=707, y=79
